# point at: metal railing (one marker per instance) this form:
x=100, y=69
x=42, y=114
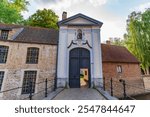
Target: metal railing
x=111, y=85
x=30, y=92
x=121, y=87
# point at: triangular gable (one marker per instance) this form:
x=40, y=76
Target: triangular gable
x=80, y=19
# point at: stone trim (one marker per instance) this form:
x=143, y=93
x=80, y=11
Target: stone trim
x=22, y=77
x=4, y=80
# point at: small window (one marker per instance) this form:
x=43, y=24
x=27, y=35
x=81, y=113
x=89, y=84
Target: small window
x=85, y=72
x=32, y=55
x=119, y=69
x=1, y=78
x=3, y=54
x=4, y=34
x=29, y=77
x=79, y=34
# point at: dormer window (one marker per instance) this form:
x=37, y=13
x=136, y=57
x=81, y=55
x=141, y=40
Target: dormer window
x=4, y=34
x=79, y=34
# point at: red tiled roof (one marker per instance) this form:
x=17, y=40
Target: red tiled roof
x=9, y=26
x=38, y=35
x=113, y=53
x=33, y=34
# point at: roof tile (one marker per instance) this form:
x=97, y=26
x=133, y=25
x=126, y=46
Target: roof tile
x=34, y=34
x=113, y=53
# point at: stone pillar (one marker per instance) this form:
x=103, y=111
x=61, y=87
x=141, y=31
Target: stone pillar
x=97, y=59
x=62, y=55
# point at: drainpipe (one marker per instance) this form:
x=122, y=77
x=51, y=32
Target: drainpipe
x=55, y=82
x=92, y=65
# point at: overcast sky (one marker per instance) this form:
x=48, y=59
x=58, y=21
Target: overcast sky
x=113, y=13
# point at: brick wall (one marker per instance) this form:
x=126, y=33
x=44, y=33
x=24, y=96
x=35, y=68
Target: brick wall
x=16, y=65
x=130, y=73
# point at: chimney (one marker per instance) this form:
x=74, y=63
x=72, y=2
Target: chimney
x=108, y=42
x=64, y=15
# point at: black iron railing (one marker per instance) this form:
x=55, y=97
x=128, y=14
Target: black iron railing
x=122, y=88
x=30, y=93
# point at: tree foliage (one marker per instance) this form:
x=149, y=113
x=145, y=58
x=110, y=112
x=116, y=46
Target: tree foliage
x=43, y=18
x=117, y=41
x=138, y=37
x=10, y=11
x=19, y=5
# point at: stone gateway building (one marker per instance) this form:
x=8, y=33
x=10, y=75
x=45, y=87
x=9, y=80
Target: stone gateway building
x=72, y=57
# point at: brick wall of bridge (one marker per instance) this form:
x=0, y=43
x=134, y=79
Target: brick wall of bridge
x=130, y=73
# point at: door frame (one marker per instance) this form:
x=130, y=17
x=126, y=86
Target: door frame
x=89, y=69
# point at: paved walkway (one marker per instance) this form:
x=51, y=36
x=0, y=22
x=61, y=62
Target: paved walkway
x=79, y=94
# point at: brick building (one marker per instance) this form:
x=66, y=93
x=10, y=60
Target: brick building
x=119, y=63
x=32, y=54
x=24, y=54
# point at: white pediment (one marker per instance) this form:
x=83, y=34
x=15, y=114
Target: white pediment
x=79, y=21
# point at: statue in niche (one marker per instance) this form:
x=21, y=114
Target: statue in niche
x=79, y=39
x=79, y=34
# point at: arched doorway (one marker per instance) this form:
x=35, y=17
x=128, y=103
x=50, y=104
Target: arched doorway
x=79, y=68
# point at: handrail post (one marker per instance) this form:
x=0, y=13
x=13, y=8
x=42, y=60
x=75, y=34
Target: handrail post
x=104, y=88
x=46, y=88
x=124, y=88
x=111, y=86
x=55, y=83
x=30, y=89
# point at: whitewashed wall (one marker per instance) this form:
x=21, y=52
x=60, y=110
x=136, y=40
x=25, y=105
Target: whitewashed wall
x=66, y=35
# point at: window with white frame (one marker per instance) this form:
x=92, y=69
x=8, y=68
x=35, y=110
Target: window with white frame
x=29, y=77
x=119, y=69
x=1, y=78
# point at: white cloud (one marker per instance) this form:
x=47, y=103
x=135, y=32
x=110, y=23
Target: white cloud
x=142, y=7
x=98, y=2
x=112, y=29
x=61, y=4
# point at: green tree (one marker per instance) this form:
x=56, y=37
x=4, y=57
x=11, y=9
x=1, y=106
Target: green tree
x=117, y=41
x=138, y=37
x=43, y=18
x=19, y=5
x=10, y=11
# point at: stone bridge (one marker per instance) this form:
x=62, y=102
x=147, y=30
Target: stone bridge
x=76, y=94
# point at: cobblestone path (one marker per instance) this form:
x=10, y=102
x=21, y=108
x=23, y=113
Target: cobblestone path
x=79, y=94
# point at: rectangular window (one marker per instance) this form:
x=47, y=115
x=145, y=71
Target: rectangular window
x=3, y=54
x=29, y=77
x=119, y=69
x=1, y=78
x=85, y=72
x=4, y=34
x=32, y=55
